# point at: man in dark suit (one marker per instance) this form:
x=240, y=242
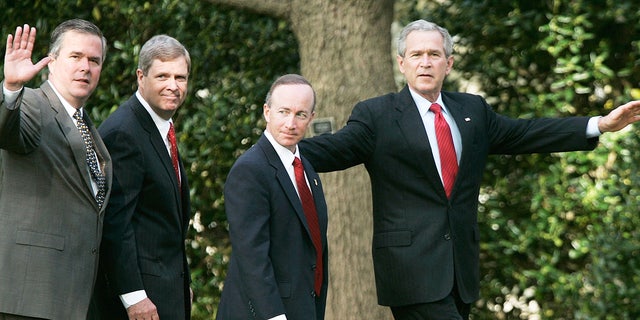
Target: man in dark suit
x=278, y=267
x=52, y=202
x=426, y=165
x=143, y=255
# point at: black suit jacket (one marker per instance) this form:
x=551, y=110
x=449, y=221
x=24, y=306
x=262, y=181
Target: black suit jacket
x=146, y=219
x=422, y=241
x=271, y=271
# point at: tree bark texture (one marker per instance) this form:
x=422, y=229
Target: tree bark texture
x=344, y=48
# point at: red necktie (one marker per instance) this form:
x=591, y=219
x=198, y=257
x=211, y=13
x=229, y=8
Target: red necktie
x=174, y=151
x=309, y=208
x=448, y=158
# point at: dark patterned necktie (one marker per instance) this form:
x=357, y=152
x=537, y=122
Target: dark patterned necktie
x=309, y=208
x=92, y=158
x=448, y=158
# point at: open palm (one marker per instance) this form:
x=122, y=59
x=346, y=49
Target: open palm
x=18, y=67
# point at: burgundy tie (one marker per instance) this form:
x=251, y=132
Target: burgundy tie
x=448, y=158
x=174, y=151
x=309, y=208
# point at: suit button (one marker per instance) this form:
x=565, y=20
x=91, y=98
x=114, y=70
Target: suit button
x=313, y=293
x=313, y=267
x=447, y=236
x=94, y=251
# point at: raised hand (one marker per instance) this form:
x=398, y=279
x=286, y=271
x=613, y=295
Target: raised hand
x=18, y=67
x=620, y=117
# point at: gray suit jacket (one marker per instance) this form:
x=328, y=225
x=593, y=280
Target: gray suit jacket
x=50, y=224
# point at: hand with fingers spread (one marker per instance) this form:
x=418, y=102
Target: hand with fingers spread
x=620, y=117
x=18, y=66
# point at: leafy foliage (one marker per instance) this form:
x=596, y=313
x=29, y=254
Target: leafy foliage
x=235, y=57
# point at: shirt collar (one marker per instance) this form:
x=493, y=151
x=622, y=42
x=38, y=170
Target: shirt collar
x=161, y=124
x=424, y=104
x=67, y=106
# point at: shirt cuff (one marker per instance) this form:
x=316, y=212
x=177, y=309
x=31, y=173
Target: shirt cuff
x=131, y=298
x=592, y=127
x=10, y=97
x=280, y=317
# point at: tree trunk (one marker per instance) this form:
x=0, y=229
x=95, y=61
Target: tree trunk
x=345, y=52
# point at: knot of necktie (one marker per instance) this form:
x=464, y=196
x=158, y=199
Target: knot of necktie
x=435, y=108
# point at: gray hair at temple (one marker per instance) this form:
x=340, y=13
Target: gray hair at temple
x=290, y=79
x=423, y=25
x=164, y=48
x=77, y=25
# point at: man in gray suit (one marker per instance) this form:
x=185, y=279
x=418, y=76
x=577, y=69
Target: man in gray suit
x=57, y=175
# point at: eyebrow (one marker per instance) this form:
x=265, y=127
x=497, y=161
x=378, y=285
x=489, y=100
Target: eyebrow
x=80, y=53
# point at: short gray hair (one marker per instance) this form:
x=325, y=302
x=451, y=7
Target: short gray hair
x=423, y=25
x=163, y=48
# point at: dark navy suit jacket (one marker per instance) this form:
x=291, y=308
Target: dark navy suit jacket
x=146, y=220
x=271, y=271
x=422, y=241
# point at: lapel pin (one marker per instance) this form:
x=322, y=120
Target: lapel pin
x=315, y=181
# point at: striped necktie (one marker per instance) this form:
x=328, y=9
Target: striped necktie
x=448, y=158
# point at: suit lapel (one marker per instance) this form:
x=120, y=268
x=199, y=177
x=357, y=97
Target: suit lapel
x=157, y=142
x=410, y=124
x=73, y=137
x=318, y=196
x=464, y=123
x=283, y=179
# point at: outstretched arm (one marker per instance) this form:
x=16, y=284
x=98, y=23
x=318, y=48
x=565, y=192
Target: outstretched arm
x=18, y=67
x=620, y=117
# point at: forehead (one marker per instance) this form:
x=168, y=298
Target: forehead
x=293, y=96
x=73, y=41
x=174, y=66
x=418, y=40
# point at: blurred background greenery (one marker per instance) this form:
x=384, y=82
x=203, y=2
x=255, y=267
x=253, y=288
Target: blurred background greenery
x=560, y=232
